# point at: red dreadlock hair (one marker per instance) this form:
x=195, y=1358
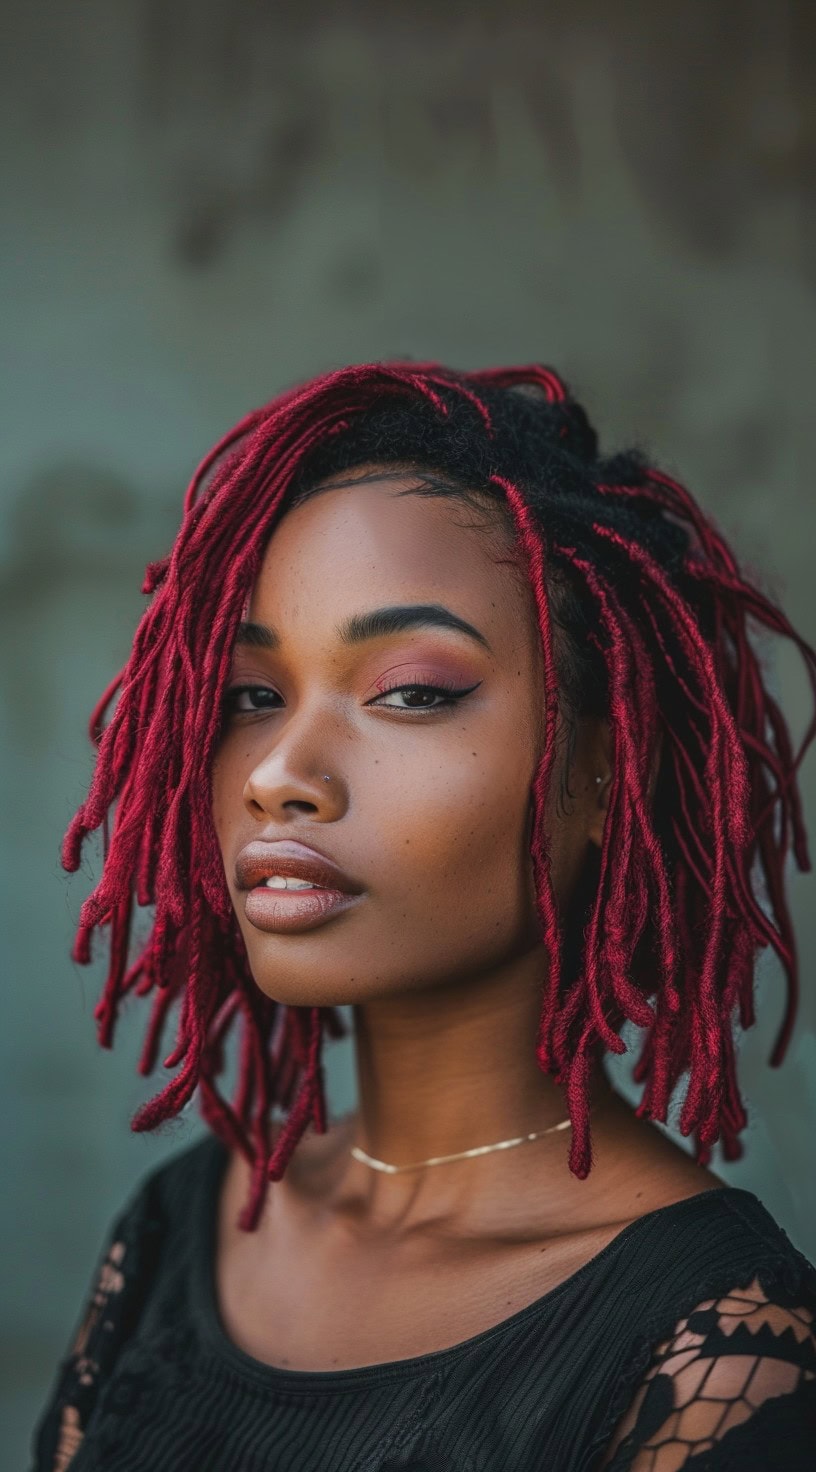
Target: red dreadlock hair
x=643, y=614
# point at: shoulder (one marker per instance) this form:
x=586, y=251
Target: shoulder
x=117, y=1293
x=694, y=1241
x=133, y=1242
x=725, y=1363
x=165, y=1188
x=158, y=1199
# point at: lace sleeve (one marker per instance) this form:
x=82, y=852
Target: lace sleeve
x=108, y=1315
x=734, y=1387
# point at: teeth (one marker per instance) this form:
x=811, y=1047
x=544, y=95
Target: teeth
x=280, y=881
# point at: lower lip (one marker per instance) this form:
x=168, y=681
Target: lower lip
x=284, y=911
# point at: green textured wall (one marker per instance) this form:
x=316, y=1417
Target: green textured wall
x=209, y=200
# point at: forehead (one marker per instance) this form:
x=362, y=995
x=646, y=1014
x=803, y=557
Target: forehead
x=352, y=547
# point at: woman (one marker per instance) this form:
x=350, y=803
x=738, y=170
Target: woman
x=438, y=714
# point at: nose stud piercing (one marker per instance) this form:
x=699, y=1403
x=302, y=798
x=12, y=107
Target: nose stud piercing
x=597, y=779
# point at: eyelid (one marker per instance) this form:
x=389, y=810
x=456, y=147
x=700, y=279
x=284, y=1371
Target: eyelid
x=403, y=675
x=382, y=686
x=419, y=671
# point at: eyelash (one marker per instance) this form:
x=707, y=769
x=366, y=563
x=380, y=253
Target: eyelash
x=451, y=694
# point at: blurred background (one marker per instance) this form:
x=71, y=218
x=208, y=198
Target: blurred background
x=206, y=200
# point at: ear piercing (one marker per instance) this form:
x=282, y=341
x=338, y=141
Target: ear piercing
x=597, y=779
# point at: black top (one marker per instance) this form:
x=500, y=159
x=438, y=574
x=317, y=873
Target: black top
x=701, y=1313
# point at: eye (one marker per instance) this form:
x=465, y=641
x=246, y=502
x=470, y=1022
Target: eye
x=232, y=701
x=421, y=697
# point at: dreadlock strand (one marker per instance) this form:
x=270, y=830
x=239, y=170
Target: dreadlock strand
x=429, y=373
x=759, y=707
x=532, y=546
x=303, y=1107
x=135, y=973
x=675, y=496
x=622, y=917
x=534, y=375
x=222, y=1119
x=258, y=1022
x=199, y=1004
x=760, y=608
x=724, y=762
x=577, y=1094
x=162, y=1002
x=632, y=671
x=246, y=1087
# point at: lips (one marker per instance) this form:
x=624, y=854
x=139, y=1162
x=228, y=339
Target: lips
x=259, y=860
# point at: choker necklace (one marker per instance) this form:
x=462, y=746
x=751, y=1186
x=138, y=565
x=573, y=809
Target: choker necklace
x=393, y=1170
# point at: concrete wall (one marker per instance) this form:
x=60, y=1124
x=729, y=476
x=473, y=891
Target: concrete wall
x=208, y=200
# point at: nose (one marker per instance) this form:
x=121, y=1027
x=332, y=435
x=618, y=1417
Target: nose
x=297, y=778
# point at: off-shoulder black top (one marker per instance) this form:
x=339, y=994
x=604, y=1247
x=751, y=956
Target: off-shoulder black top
x=688, y=1341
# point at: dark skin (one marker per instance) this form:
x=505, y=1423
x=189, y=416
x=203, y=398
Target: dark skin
x=428, y=807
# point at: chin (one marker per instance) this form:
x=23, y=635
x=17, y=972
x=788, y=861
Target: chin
x=319, y=984
x=319, y=990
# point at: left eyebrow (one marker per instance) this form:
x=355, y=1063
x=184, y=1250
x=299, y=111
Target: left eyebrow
x=378, y=623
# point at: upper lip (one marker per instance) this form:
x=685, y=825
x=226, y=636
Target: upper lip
x=260, y=859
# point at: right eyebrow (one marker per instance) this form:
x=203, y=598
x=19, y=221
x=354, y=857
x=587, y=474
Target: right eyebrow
x=257, y=636
x=378, y=623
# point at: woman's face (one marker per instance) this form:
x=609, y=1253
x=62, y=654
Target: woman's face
x=425, y=813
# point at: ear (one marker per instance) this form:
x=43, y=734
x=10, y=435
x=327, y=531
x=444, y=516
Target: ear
x=598, y=763
x=602, y=759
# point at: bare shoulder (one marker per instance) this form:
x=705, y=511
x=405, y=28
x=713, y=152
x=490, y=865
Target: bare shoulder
x=639, y=1167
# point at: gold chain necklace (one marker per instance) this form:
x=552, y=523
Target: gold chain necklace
x=393, y=1170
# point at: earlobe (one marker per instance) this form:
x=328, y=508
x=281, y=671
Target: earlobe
x=601, y=786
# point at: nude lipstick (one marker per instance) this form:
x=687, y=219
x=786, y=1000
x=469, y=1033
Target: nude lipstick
x=291, y=887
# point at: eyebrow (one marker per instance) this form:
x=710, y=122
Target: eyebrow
x=378, y=623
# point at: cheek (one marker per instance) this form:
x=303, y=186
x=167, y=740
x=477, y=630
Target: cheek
x=567, y=856
x=227, y=788
x=453, y=871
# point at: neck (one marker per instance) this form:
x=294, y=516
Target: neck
x=440, y=1072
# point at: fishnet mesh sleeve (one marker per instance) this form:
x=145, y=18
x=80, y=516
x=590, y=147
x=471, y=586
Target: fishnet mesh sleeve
x=734, y=1387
